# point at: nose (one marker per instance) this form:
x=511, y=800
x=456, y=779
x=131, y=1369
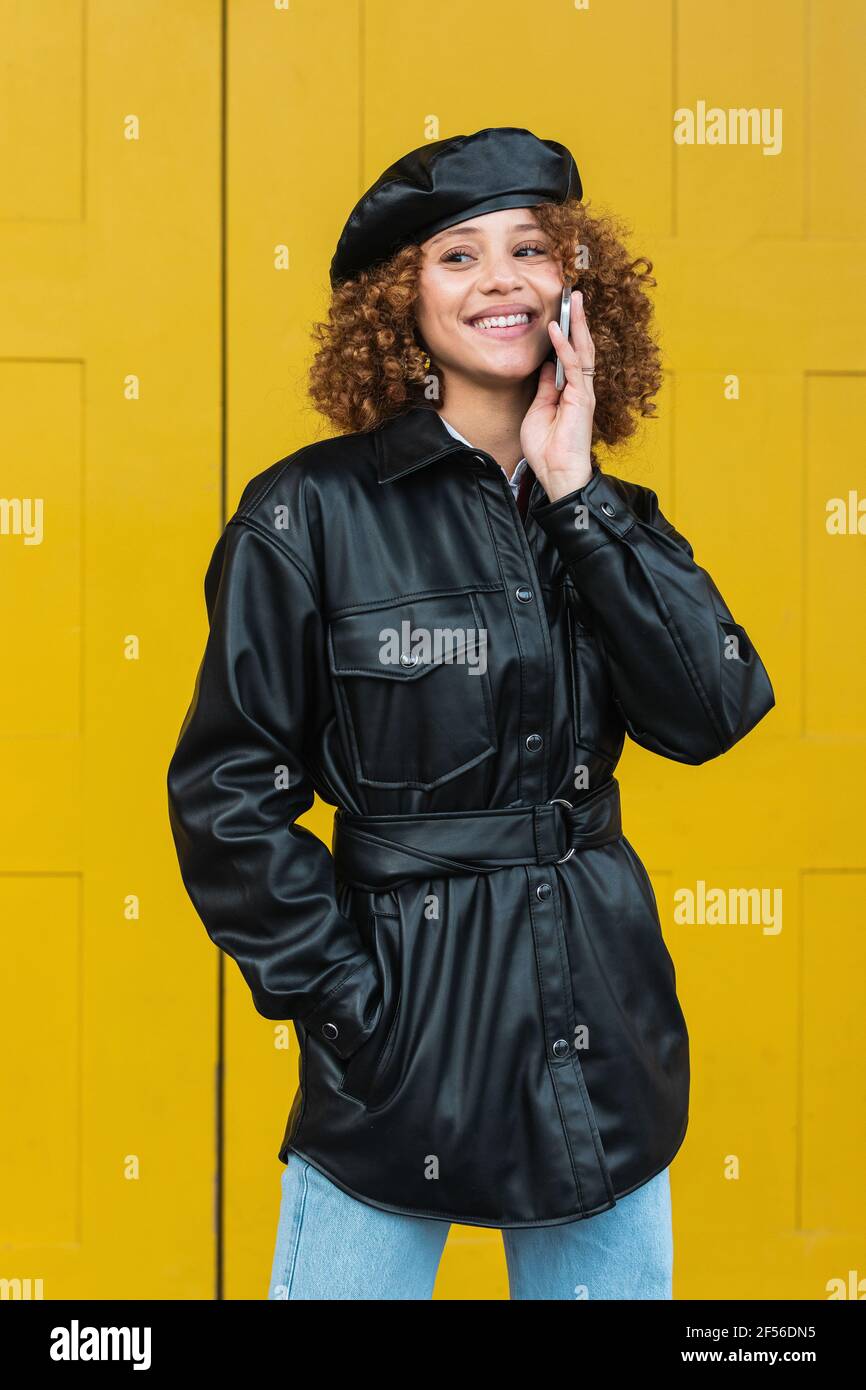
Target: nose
x=499, y=270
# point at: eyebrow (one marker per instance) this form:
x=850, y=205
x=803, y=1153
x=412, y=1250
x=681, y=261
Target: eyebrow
x=463, y=230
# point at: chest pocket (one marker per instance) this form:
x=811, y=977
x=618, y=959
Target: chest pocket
x=413, y=686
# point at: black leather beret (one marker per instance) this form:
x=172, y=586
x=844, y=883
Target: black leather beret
x=449, y=181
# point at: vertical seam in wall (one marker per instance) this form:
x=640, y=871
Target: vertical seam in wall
x=219, y=1110
x=807, y=122
x=805, y=421
x=83, y=693
x=674, y=190
x=362, y=91
x=800, y=1052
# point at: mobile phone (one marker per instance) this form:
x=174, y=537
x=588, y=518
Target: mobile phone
x=564, y=323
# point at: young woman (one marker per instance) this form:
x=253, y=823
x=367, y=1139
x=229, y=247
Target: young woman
x=444, y=620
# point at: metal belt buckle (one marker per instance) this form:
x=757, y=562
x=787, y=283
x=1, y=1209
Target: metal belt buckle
x=558, y=801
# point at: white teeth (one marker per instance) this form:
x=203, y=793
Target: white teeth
x=503, y=321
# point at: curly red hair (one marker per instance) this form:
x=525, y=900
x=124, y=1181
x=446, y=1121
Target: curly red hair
x=370, y=366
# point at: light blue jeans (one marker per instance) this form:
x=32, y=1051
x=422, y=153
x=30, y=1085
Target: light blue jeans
x=331, y=1245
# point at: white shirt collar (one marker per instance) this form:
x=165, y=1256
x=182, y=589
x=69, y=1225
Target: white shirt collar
x=514, y=480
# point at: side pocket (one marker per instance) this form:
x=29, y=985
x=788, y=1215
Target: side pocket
x=365, y=1066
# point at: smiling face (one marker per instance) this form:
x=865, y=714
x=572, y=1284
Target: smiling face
x=488, y=288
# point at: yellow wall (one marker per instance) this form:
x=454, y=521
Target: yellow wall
x=153, y=359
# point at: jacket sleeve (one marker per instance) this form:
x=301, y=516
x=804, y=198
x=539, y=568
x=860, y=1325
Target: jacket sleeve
x=237, y=782
x=685, y=676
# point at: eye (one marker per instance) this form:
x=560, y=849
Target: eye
x=533, y=247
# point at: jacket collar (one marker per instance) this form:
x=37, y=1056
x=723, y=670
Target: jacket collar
x=412, y=440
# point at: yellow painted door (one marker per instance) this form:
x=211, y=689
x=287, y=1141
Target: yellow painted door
x=110, y=353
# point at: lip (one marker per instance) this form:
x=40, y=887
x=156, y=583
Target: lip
x=514, y=330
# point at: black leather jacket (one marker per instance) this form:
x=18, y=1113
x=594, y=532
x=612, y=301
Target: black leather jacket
x=486, y=1009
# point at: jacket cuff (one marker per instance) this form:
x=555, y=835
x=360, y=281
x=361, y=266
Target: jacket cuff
x=348, y=1015
x=585, y=519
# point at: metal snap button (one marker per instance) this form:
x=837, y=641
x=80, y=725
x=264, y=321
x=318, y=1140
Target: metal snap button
x=331, y=1031
x=534, y=742
x=608, y=509
x=561, y=1048
x=407, y=659
x=524, y=594
x=543, y=891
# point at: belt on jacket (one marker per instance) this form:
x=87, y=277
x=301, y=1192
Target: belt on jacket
x=378, y=852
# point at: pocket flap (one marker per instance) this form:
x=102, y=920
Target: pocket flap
x=406, y=641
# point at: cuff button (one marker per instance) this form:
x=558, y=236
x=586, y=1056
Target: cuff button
x=331, y=1031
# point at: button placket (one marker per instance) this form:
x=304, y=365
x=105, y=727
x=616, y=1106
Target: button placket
x=591, y=1175
x=543, y=884
x=523, y=583
x=552, y=957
